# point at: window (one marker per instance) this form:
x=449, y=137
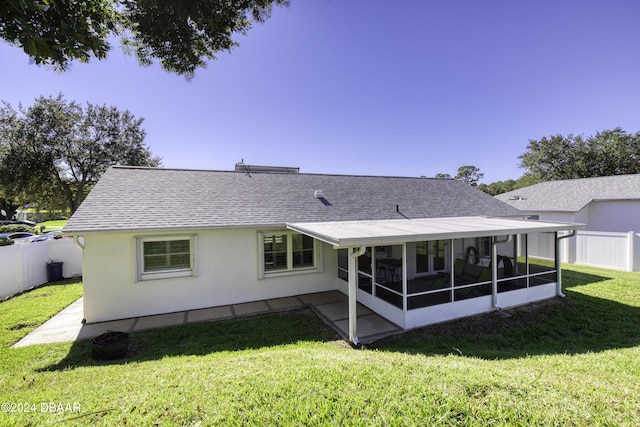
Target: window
x=286, y=252
x=163, y=257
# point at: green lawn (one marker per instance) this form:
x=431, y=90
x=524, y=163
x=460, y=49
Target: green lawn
x=52, y=225
x=567, y=362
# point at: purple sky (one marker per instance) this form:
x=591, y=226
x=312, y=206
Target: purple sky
x=372, y=87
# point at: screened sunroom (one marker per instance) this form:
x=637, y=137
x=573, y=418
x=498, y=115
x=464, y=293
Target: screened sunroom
x=422, y=271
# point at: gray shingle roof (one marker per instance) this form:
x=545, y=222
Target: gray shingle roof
x=573, y=194
x=130, y=198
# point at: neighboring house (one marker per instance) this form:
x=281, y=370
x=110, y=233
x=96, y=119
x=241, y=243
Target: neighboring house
x=414, y=250
x=609, y=203
x=608, y=206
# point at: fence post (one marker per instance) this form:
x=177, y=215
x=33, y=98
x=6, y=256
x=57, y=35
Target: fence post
x=631, y=240
x=20, y=267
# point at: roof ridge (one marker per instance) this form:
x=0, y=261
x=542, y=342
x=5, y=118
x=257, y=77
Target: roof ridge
x=149, y=168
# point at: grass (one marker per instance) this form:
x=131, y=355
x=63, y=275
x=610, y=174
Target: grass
x=23, y=313
x=52, y=225
x=567, y=362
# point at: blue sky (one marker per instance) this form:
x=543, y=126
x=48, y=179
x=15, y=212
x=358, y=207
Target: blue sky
x=407, y=88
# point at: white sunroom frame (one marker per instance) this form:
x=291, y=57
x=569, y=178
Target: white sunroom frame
x=357, y=235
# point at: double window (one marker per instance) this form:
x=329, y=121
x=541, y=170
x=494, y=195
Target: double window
x=163, y=257
x=285, y=252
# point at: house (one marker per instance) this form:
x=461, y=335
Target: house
x=608, y=206
x=414, y=250
x=608, y=203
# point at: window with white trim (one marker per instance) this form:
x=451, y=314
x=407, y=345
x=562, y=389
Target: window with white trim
x=286, y=252
x=165, y=257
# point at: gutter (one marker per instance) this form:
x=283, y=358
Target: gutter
x=494, y=271
x=558, y=263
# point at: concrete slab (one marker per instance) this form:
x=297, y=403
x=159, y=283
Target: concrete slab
x=208, y=314
x=49, y=336
x=94, y=329
x=288, y=303
x=332, y=306
x=63, y=327
x=250, y=308
x=367, y=326
x=160, y=320
x=340, y=310
x=323, y=297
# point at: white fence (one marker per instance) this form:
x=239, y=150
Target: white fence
x=23, y=266
x=604, y=249
x=618, y=251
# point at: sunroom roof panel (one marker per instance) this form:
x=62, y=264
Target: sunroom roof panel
x=385, y=232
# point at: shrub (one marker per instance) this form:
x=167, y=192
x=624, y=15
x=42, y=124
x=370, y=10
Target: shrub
x=16, y=228
x=6, y=242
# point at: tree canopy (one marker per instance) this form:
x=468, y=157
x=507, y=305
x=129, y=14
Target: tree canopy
x=52, y=153
x=182, y=35
x=607, y=153
x=469, y=174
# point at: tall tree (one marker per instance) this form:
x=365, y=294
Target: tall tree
x=183, y=35
x=610, y=152
x=469, y=174
x=55, y=150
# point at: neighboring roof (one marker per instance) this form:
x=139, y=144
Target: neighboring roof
x=371, y=233
x=572, y=195
x=131, y=198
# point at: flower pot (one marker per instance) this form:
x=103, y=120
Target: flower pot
x=110, y=345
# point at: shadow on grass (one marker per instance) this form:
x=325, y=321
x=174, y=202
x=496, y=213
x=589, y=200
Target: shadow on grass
x=249, y=333
x=576, y=324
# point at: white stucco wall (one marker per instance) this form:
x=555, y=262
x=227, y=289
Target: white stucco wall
x=608, y=215
x=556, y=216
x=227, y=273
x=615, y=215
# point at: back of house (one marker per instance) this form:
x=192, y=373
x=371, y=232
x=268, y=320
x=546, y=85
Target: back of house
x=166, y=240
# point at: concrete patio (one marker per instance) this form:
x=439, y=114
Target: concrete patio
x=332, y=307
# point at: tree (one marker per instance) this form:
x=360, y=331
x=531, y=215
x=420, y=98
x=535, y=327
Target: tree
x=55, y=150
x=443, y=175
x=183, y=35
x=469, y=174
x=610, y=152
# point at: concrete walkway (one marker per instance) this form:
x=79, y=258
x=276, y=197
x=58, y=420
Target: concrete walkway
x=332, y=307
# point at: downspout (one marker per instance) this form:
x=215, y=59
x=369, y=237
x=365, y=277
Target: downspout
x=494, y=271
x=353, y=288
x=558, y=263
x=78, y=243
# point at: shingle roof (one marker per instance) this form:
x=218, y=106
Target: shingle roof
x=573, y=194
x=132, y=198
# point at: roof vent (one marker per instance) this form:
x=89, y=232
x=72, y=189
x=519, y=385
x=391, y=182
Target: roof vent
x=242, y=167
x=517, y=198
x=319, y=194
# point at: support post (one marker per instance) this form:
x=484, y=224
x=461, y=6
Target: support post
x=353, y=289
x=494, y=270
x=404, y=278
x=558, y=263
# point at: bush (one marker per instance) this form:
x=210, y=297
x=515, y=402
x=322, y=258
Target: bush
x=6, y=242
x=18, y=228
